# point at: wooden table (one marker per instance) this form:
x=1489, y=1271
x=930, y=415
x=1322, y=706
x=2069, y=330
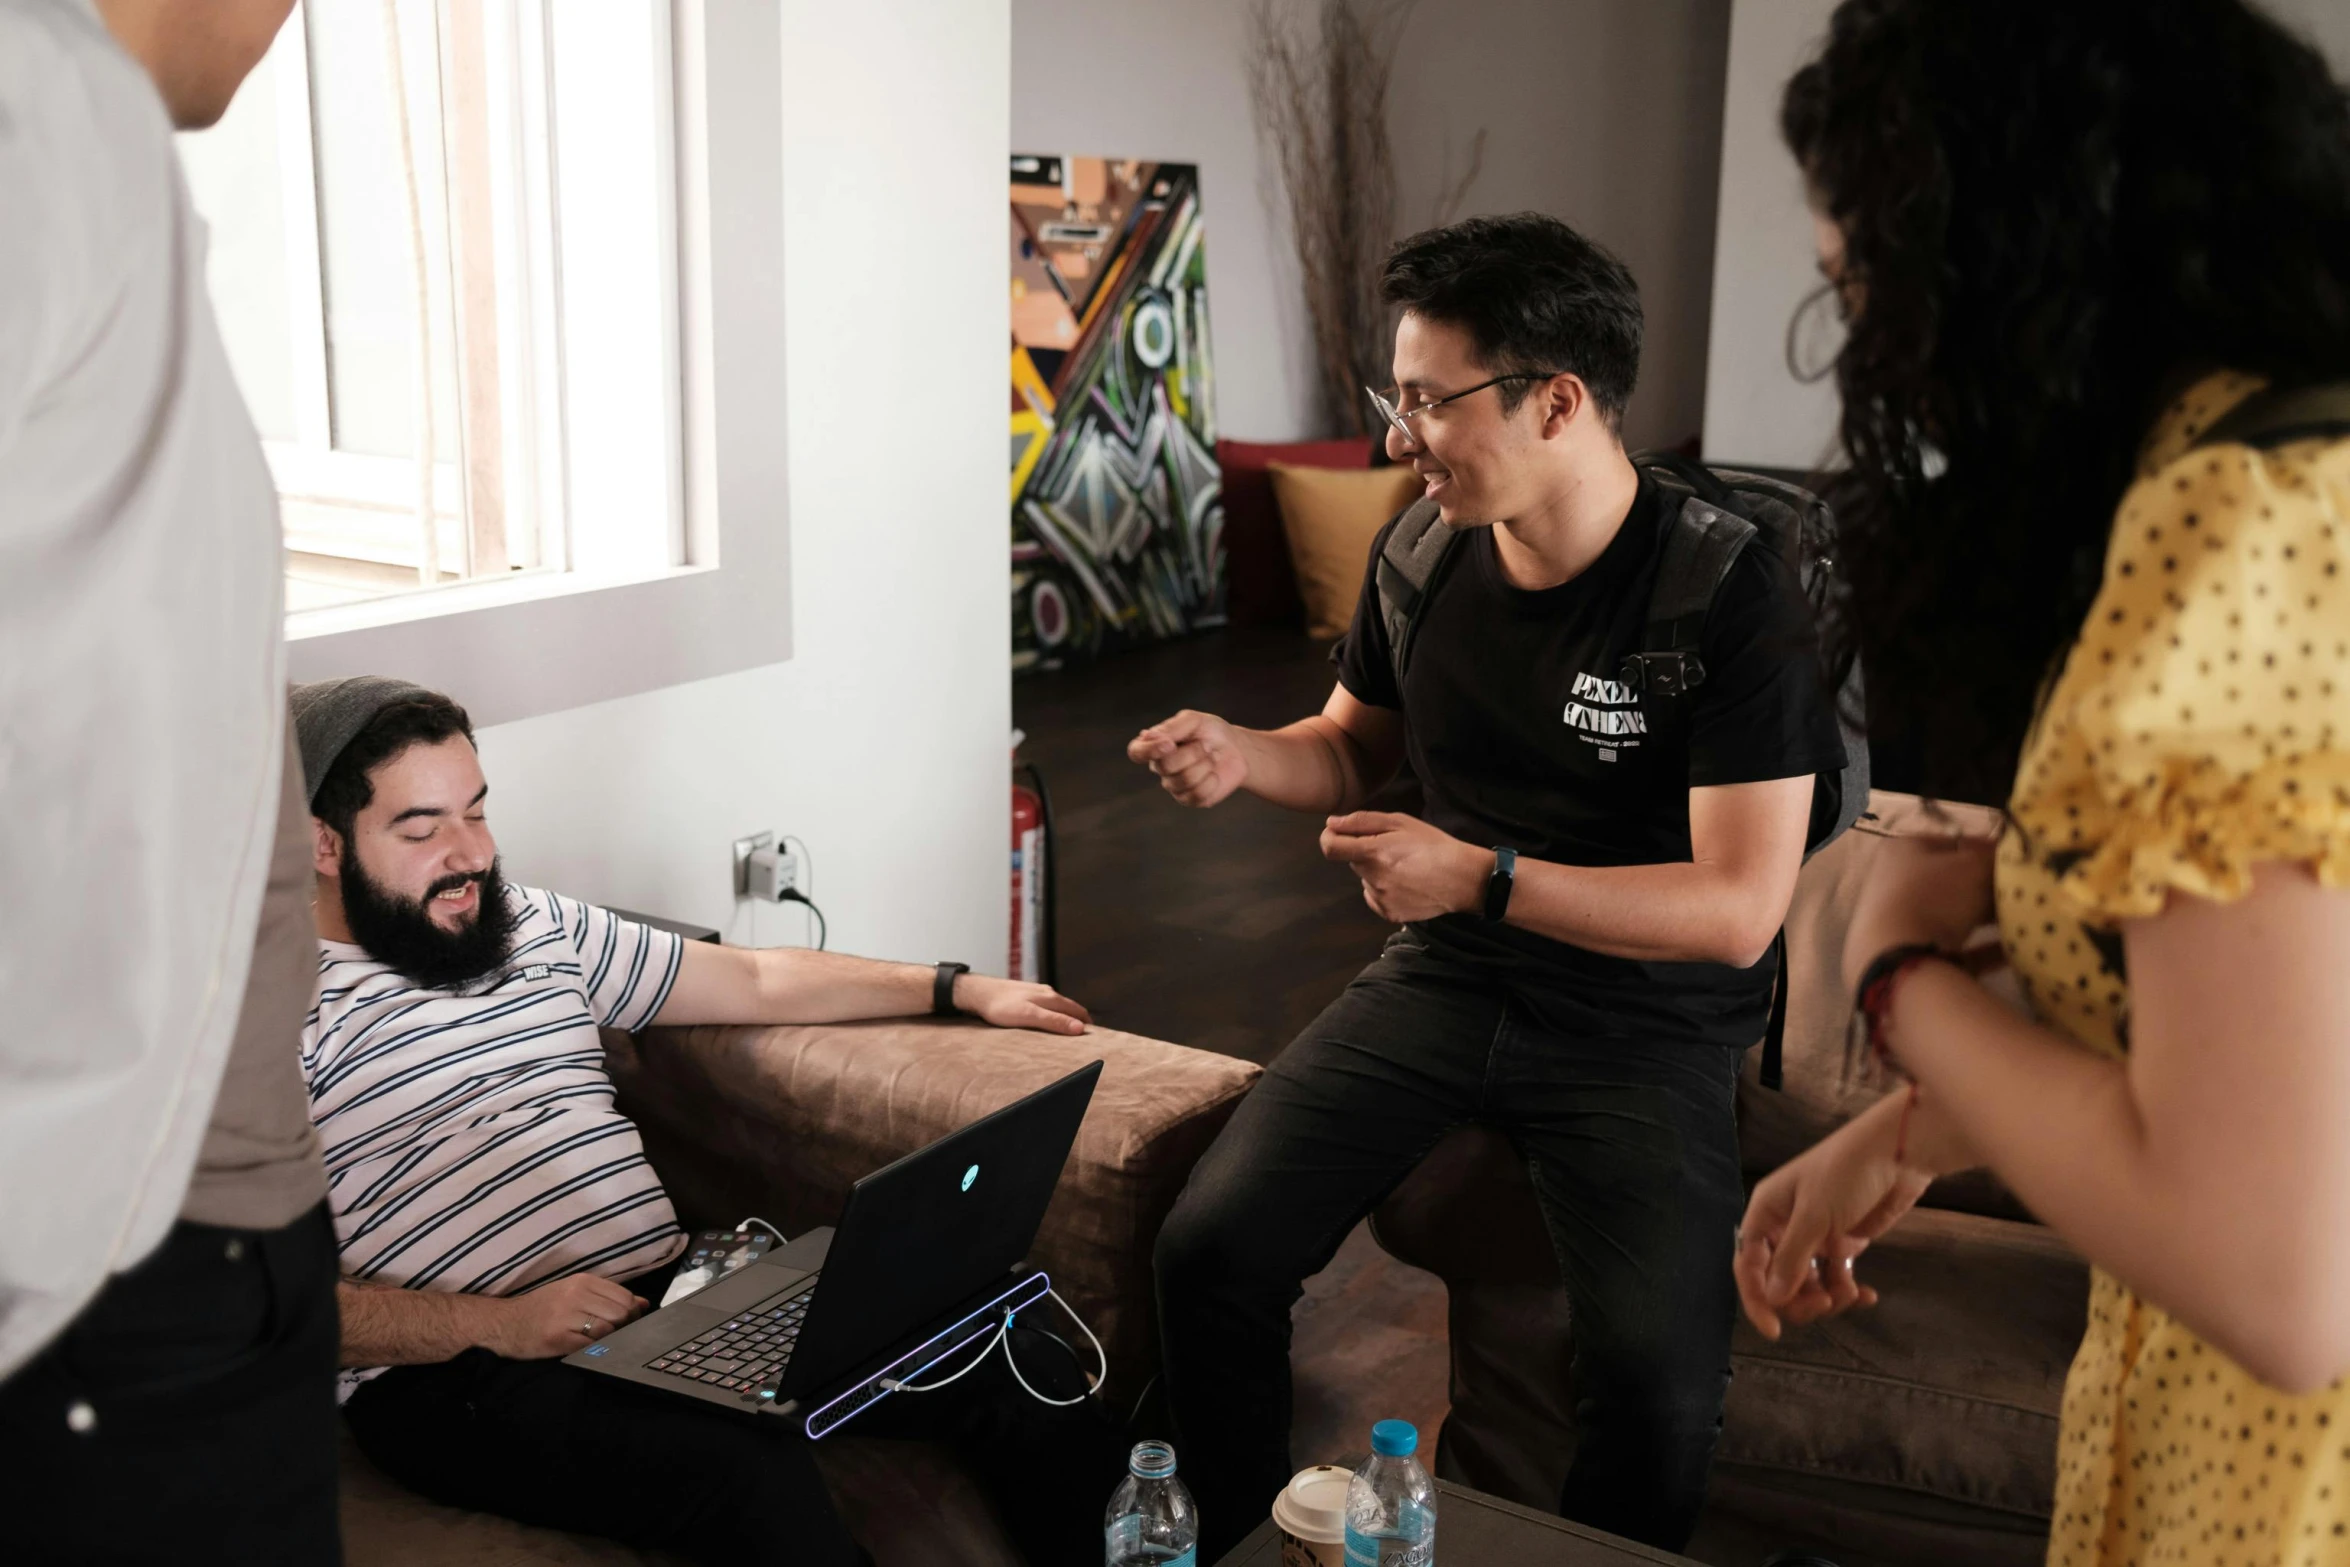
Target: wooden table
x=1476, y=1530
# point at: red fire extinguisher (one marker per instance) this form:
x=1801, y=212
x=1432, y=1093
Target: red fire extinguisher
x=1034, y=947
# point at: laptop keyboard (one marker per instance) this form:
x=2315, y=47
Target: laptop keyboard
x=744, y=1352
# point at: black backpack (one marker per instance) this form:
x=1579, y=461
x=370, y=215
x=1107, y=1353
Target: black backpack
x=1720, y=512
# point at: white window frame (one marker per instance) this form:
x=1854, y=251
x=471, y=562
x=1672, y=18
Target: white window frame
x=641, y=607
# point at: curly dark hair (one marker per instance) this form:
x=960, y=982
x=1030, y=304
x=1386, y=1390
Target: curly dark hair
x=1533, y=295
x=2055, y=216
x=349, y=785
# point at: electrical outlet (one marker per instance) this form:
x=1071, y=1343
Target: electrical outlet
x=773, y=875
x=744, y=848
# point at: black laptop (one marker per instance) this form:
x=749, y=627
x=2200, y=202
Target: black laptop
x=928, y=1257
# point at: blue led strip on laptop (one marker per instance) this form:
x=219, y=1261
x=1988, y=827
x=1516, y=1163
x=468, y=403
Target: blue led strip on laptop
x=910, y=1366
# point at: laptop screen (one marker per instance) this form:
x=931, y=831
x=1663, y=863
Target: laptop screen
x=920, y=1237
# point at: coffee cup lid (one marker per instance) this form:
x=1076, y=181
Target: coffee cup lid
x=1313, y=1505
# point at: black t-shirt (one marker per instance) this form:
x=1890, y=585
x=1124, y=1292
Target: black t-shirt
x=1522, y=734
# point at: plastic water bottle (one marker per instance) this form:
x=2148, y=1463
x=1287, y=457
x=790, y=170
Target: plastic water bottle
x=1151, y=1518
x=1391, y=1503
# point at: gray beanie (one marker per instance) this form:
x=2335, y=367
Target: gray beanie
x=328, y=715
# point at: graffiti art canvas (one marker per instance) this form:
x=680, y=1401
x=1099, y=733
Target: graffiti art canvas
x=1117, y=502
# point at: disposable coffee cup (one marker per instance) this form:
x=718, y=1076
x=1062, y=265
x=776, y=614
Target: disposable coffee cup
x=1310, y=1512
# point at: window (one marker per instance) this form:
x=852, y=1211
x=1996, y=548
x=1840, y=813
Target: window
x=452, y=382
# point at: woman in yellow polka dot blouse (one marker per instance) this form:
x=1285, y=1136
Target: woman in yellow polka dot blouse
x=2095, y=261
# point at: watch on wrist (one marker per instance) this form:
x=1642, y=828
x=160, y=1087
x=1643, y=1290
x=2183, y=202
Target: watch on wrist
x=1500, y=884
x=942, y=989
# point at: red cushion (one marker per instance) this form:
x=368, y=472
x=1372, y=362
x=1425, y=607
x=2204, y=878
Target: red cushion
x=1263, y=586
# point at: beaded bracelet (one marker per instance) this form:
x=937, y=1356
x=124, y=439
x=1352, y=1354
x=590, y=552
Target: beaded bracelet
x=1872, y=998
x=1872, y=1007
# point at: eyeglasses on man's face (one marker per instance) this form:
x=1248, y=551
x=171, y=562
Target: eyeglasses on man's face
x=1400, y=418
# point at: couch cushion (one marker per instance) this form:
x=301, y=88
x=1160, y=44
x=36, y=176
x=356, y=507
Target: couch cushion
x=1263, y=583
x=1819, y=1095
x=1926, y=1424
x=1949, y=1387
x=1330, y=518
x=779, y=1122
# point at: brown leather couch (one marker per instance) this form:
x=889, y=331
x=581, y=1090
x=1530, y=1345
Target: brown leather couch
x=1921, y=1432
x=777, y=1122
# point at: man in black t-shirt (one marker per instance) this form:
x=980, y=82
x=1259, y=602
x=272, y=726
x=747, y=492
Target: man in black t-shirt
x=1593, y=1003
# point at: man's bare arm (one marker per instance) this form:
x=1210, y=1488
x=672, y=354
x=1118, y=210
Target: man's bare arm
x=1333, y=761
x=718, y=984
x=387, y=1326
x=384, y=1325
x=1722, y=906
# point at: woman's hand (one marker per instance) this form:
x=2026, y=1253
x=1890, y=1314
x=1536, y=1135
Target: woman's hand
x=1930, y=890
x=1809, y=1219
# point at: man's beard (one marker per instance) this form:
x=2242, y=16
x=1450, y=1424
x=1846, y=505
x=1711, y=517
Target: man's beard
x=400, y=934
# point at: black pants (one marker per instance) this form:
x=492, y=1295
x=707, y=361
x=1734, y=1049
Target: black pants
x=1631, y=1147
x=188, y=1414
x=550, y=1444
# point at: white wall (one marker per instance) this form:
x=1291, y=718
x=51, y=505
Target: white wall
x=1606, y=113
x=882, y=741
x=1163, y=80
x=1755, y=410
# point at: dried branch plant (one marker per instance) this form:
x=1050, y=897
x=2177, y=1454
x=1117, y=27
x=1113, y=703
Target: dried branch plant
x=1455, y=195
x=1321, y=108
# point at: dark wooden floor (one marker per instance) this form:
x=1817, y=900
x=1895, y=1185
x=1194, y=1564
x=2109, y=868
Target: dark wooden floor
x=1222, y=929
x=1228, y=931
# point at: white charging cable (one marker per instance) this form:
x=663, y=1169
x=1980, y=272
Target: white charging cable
x=1095, y=1381
x=985, y=1350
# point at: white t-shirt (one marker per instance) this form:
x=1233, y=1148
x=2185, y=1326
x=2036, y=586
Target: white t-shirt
x=470, y=1136
x=142, y=673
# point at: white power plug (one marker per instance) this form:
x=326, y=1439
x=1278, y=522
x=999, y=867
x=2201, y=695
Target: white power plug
x=771, y=873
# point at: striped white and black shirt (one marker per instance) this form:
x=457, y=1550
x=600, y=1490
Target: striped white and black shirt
x=470, y=1137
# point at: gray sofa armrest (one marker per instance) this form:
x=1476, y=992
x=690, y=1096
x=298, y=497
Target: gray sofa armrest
x=779, y=1121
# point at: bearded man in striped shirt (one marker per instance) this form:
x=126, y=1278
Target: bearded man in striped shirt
x=496, y=1212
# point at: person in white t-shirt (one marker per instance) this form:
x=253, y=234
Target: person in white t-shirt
x=495, y=1210
x=167, y=1309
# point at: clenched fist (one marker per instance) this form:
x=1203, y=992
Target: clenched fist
x=1199, y=758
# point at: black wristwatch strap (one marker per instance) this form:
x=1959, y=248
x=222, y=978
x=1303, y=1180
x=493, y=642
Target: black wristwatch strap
x=1500, y=884
x=942, y=989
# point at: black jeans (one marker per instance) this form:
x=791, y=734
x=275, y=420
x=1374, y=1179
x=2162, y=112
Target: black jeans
x=550, y=1444
x=188, y=1414
x=1631, y=1147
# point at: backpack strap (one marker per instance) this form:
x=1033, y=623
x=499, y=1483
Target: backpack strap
x=1774, y=1072
x=1416, y=550
x=1701, y=543
x=2278, y=415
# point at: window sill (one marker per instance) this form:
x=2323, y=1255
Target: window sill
x=420, y=603
x=514, y=649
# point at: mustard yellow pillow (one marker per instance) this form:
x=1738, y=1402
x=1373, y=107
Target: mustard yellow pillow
x=1331, y=515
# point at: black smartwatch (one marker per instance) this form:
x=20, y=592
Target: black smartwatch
x=942, y=989
x=1499, y=885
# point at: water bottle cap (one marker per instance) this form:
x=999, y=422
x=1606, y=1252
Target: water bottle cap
x=1151, y=1460
x=1394, y=1439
